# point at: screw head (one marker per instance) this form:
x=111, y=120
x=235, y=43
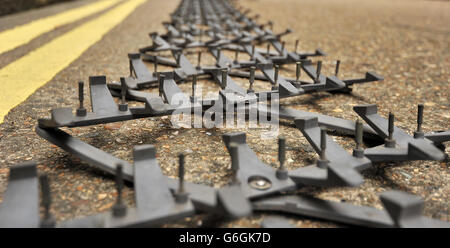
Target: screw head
x=123, y=107
x=119, y=210
x=259, y=183
x=81, y=112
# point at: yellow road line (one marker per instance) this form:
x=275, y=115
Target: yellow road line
x=23, y=34
x=21, y=78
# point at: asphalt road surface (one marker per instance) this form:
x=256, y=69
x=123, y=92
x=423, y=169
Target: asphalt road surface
x=406, y=41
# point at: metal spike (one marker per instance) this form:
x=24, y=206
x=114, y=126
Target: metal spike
x=194, y=85
x=219, y=53
x=181, y=173
x=391, y=125
x=296, y=46
x=419, y=117
x=298, y=71
x=81, y=111
x=253, y=52
x=322, y=161
x=155, y=65
x=390, y=142
x=81, y=93
x=46, y=199
x=358, y=151
x=130, y=65
x=161, y=77
x=178, y=57
x=252, y=79
x=276, y=71
x=119, y=181
x=236, y=56
x=181, y=196
x=48, y=220
x=199, y=59
x=281, y=151
x=359, y=134
x=123, y=106
x=281, y=173
x=319, y=68
x=276, y=74
x=336, y=72
x=119, y=209
x=224, y=78
x=419, y=133
x=323, y=143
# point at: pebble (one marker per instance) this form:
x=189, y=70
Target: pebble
x=101, y=196
x=105, y=207
x=91, y=135
x=113, y=126
x=408, y=176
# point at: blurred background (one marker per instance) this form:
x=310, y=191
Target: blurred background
x=14, y=6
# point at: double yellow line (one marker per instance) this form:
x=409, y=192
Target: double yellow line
x=22, y=77
x=23, y=34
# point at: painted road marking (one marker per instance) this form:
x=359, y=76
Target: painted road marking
x=17, y=36
x=21, y=78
